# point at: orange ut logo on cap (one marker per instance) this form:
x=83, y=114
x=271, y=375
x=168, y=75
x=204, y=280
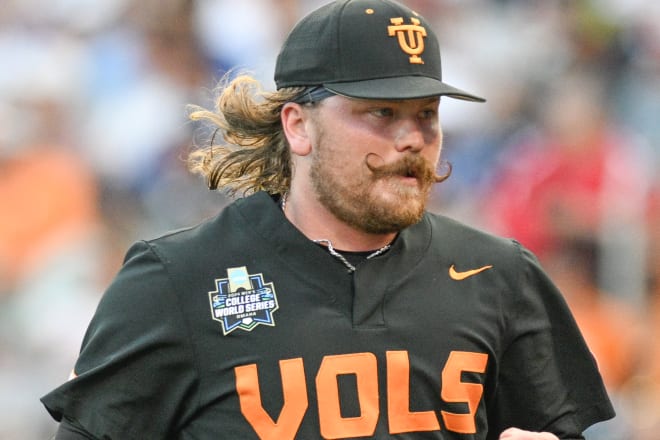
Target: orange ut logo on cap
x=410, y=36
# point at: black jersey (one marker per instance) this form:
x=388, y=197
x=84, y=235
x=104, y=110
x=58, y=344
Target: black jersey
x=242, y=328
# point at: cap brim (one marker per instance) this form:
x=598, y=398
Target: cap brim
x=403, y=87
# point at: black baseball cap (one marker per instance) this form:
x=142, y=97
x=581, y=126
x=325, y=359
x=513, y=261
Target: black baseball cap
x=373, y=49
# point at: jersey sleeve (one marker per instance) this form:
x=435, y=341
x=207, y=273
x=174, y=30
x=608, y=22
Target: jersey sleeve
x=135, y=376
x=547, y=377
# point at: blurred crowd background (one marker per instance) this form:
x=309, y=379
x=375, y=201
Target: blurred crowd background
x=564, y=156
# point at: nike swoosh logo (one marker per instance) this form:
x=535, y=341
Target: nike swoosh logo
x=460, y=276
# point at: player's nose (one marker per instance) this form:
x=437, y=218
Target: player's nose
x=409, y=136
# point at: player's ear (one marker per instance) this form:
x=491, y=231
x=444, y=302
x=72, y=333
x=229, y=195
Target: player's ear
x=294, y=123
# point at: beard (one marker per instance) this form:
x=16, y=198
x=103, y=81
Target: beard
x=356, y=200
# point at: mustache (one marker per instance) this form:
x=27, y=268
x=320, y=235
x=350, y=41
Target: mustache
x=411, y=165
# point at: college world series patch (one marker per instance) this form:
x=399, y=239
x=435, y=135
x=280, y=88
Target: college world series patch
x=243, y=300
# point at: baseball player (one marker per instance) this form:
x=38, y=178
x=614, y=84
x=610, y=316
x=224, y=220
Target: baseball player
x=327, y=302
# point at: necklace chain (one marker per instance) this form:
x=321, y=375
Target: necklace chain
x=283, y=201
x=331, y=248
x=343, y=259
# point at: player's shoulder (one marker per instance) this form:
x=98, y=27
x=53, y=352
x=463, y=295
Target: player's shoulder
x=225, y=232
x=188, y=236
x=216, y=229
x=460, y=238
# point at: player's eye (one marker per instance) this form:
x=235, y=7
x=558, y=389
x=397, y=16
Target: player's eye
x=428, y=113
x=384, y=112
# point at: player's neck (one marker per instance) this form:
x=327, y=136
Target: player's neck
x=317, y=223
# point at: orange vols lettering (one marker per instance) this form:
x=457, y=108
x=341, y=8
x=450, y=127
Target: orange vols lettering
x=398, y=398
x=455, y=391
x=332, y=424
x=294, y=389
x=364, y=367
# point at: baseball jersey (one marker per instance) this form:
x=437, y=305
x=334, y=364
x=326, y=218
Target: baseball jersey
x=241, y=327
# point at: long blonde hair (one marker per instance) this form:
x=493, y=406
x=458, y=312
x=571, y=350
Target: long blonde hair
x=253, y=153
